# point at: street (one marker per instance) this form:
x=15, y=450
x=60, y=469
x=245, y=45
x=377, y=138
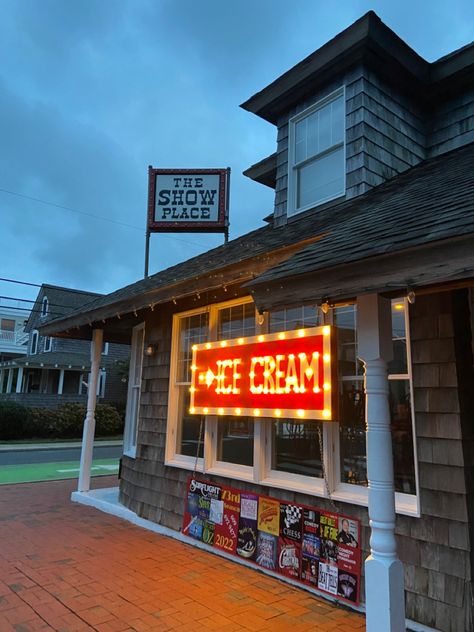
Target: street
x=19, y=455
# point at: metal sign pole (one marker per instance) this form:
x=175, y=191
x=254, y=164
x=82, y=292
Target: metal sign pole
x=227, y=210
x=147, y=252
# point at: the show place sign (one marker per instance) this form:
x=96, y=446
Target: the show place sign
x=188, y=200
x=286, y=374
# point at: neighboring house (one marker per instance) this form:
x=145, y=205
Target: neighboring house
x=13, y=337
x=373, y=234
x=55, y=370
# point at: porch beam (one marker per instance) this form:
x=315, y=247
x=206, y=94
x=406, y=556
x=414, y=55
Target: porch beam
x=9, y=381
x=19, y=380
x=61, y=382
x=89, y=422
x=384, y=590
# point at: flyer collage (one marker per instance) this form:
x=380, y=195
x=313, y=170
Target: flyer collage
x=315, y=547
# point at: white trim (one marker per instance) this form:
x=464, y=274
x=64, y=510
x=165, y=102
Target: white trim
x=44, y=310
x=105, y=349
x=34, y=341
x=292, y=208
x=48, y=344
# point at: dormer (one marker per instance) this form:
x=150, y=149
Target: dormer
x=360, y=110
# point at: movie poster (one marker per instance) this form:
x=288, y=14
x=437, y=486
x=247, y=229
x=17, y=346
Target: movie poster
x=226, y=531
x=319, y=548
x=247, y=533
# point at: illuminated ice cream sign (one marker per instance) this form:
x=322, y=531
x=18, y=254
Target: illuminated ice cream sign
x=286, y=374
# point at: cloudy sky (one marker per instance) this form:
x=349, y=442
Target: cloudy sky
x=93, y=91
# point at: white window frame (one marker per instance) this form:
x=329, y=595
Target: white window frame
x=34, y=341
x=207, y=463
x=44, y=307
x=48, y=344
x=101, y=384
x=292, y=192
x=262, y=473
x=132, y=415
x=105, y=348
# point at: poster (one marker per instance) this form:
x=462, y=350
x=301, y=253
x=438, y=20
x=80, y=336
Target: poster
x=318, y=548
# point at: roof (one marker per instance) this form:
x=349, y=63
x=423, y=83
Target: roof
x=53, y=359
x=429, y=204
x=373, y=42
x=62, y=300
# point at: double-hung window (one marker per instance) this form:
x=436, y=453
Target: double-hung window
x=134, y=389
x=316, y=155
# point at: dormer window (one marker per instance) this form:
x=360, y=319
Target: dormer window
x=44, y=307
x=316, y=155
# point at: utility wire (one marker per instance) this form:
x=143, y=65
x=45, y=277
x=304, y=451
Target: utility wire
x=29, y=300
x=32, y=311
x=105, y=219
x=53, y=287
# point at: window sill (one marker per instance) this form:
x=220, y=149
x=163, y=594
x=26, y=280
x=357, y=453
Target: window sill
x=313, y=487
x=405, y=504
x=231, y=470
x=185, y=463
x=131, y=452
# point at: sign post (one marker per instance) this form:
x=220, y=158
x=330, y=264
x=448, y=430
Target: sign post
x=187, y=200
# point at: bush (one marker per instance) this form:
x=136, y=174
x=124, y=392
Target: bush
x=13, y=418
x=64, y=422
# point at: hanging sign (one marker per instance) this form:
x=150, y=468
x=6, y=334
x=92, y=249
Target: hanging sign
x=318, y=548
x=188, y=200
x=286, y=374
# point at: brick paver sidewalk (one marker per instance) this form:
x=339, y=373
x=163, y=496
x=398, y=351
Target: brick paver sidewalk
x=68, y=567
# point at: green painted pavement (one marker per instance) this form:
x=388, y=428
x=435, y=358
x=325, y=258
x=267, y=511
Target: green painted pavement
x=29, y=473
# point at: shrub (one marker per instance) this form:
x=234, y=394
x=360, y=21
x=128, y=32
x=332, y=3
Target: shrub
x=108, y=421
x=13, y=418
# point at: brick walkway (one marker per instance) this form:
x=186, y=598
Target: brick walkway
x=68, y=567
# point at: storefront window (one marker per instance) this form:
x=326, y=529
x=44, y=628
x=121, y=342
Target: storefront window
x=192, y=330
x=295, y=318
x=235, y=440
x=235, y=435
x=296, y=447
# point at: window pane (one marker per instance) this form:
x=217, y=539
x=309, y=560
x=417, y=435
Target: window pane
x=346, y=322
x=295, y=318
x=321, y=179
x=325, y=127
x=312, y=141
x=188, y=427
x=296, y=447
x=237, y=321
x=399, y=364
x=352, y=436
x=337, y=120
x=7, y=325
x=235, y=440
x=192, y=330
x=402, y=436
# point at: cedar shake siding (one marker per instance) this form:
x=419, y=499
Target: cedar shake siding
x=435, y=548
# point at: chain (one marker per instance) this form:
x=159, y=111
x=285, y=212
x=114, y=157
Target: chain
x=198, y=445
x=326, y=482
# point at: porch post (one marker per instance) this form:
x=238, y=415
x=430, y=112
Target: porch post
x=1, y=380
x=61, y=381
x=384, y=589
x=89, y=421
x=19, y=380
x=9, y=381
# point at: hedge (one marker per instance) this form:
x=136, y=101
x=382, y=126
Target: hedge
x=64, y=422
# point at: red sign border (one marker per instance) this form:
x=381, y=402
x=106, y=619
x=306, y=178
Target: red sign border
x=188, y=227
x=330, y=376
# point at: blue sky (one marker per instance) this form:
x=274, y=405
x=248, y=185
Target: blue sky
x=93, y=91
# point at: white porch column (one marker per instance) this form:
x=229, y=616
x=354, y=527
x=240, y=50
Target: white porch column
x=19, y=380
x=9, y=381
x=384, y=590
x=89, y=422
x=61, y=382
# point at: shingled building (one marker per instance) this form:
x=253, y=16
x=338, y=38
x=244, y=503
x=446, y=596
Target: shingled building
x=372, y=234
